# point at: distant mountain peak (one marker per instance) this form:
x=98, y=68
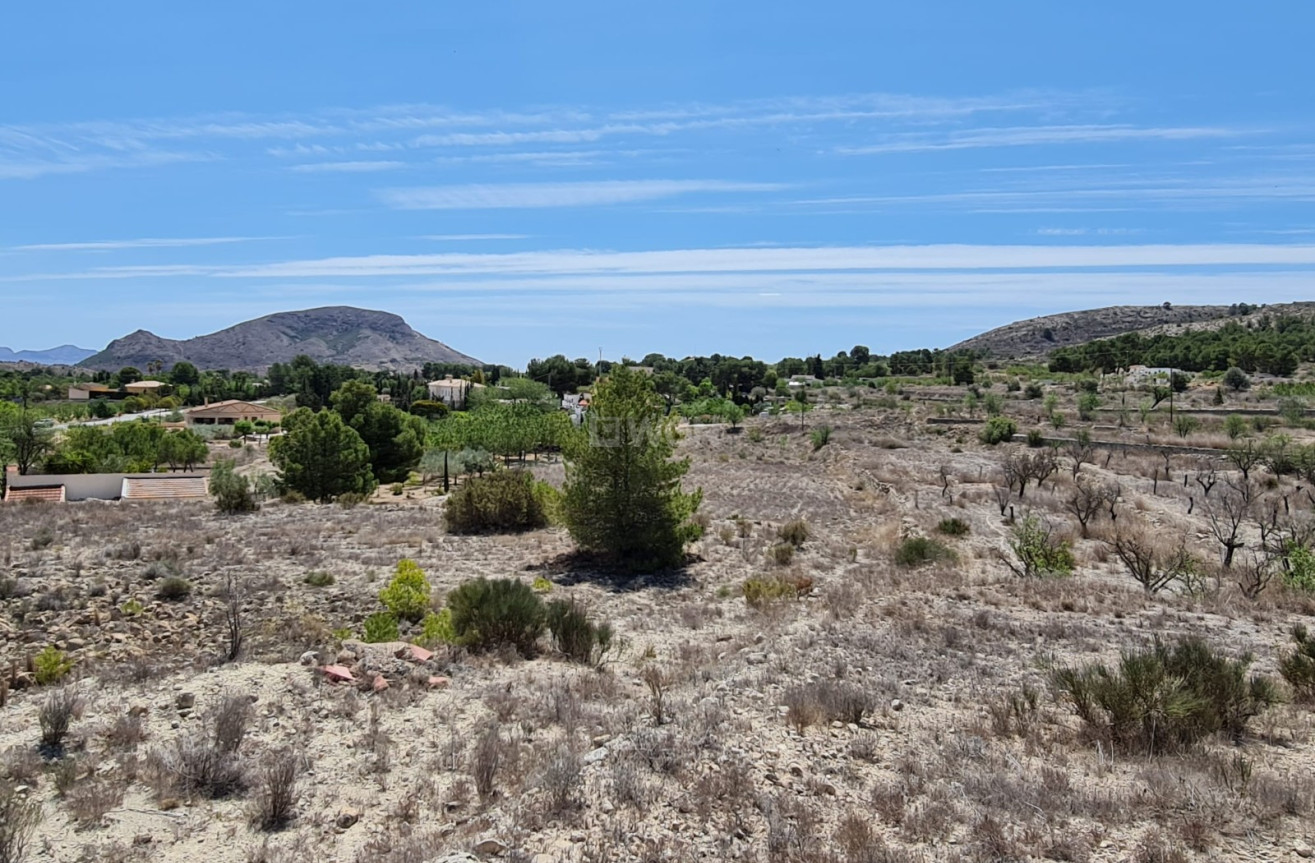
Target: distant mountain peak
x=64, y=355
x=344, y=335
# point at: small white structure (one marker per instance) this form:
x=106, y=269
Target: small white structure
x=1145, y=374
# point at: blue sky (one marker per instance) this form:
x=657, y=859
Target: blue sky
x=521, y=179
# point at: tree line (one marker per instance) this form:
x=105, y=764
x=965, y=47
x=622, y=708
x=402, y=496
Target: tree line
x=1267, y=344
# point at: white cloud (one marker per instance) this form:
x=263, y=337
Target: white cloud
x=536, y=195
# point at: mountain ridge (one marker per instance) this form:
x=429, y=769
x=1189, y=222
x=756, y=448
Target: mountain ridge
x=1035, y=338
x=64, y=355
x=342, y=335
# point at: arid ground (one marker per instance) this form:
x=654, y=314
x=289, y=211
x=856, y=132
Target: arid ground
x=710, y=733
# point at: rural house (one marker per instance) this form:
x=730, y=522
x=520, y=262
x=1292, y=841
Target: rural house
x=451, y=391
x=226, y=413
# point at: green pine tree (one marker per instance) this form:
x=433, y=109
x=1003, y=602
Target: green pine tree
x=321, y=456
x=623, y=494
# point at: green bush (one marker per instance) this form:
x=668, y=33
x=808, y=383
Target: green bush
x=550, y=501
x=1298, y=667
x=232, y=493
x=173, y=589
x=319, y=579
x=437, y=629
x=953, y=527
x=997, y=430
x=1167, y=698
x=1036, y=439
x=820, y=436
x=381, y=626
x=407, y=595
x=1033, y=391
x=782, y=553
x=574, y=635
x=51, y=665
x=919, y=550
x=492, y=613
x=1039, y=551
x=1299, y=568
x=497, y=502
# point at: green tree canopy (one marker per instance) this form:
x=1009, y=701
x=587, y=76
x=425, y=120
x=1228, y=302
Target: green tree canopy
x=623, y=493
x=321, y=456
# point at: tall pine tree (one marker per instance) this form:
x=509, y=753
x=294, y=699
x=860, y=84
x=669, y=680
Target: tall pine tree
x=623, y=495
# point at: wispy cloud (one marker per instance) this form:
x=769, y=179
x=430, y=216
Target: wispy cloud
x=833, y=261
x=1032, y=136
x=535, y=195
x=362, y=167
x=144, y=243
x=454, y=238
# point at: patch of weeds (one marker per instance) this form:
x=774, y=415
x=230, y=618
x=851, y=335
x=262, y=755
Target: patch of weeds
x=920, y=550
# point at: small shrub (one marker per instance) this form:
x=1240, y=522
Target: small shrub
x=820, y=437
x=42, y=539
x=574, y=635
x=319, y=579
x=397, y=489
x=492, y=613
x=197, y=765
x=1298, y=667
x=1036, y=438
x=497, y=502
x=437, y=629
x=920, y=550
x=1032, y=391
x=953, y=527
x=542, y=585
x=487, y=757
x=380, y=626
x=826, y=701
x=782, y=554
x=19, y=816
x=51, y=665
x=56, y=715
x=407, y=595
x=794, y=532
x=173, y=589
x=276, y=792
x=761, y=591
x=351, y=499
x=997, y=430
x=1167, y=698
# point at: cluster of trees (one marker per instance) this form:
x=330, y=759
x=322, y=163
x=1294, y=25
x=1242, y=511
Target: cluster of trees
x=349, y=447
x=29, y=440
x=127, y=447
x=1272, y=345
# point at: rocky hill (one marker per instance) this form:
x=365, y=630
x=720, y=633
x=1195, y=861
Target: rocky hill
x=1037, y=337
x=64, y=355
x=334, y=334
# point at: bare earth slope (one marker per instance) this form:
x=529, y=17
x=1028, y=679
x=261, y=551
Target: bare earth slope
x=333, y=334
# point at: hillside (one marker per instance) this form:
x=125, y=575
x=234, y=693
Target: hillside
x=64, y=355
x=333, y=334
x=1036, y=337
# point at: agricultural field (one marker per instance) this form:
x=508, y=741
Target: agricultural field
x=880, y=649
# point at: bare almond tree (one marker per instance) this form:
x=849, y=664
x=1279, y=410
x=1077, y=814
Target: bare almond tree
x=1089, y=499
x=1227, y=512
x=1150, y=566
